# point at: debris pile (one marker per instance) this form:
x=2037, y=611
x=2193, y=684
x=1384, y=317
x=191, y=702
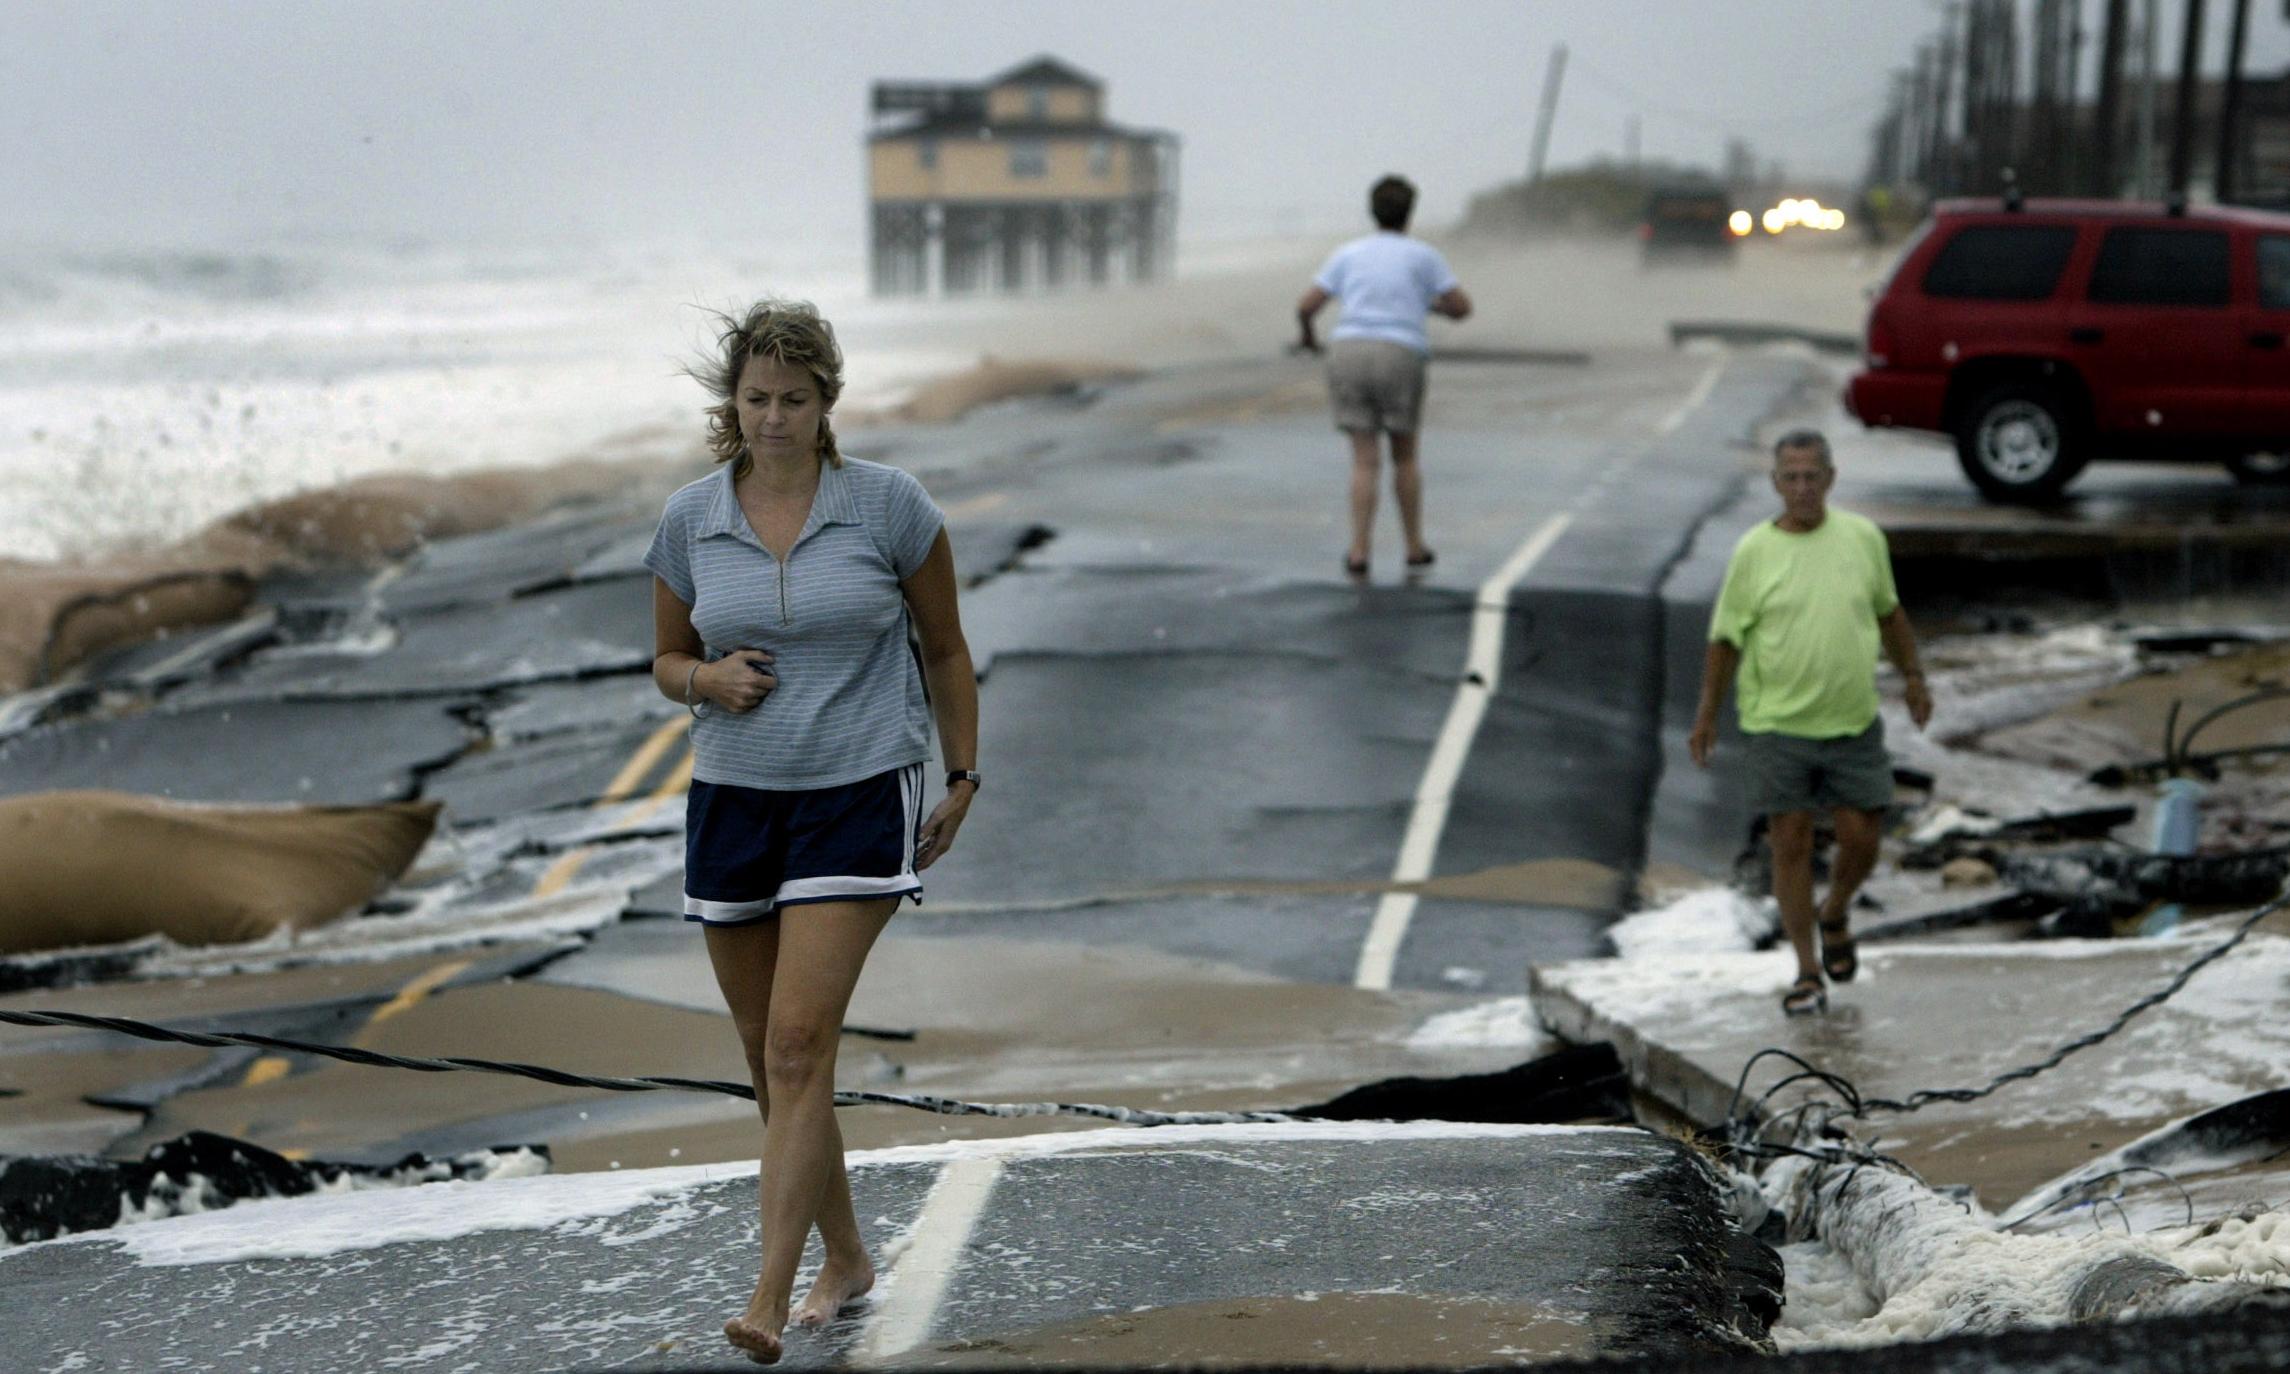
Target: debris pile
x=48, y=1196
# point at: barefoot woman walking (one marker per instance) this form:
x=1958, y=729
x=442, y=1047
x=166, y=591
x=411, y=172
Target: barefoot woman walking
x=785, y=583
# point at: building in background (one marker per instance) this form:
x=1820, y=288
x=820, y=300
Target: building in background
x=1016, y=184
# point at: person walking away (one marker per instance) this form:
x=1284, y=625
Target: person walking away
x=1808, y=598
x=784, y=586
x=1385, y=283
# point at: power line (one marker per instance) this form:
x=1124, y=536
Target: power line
x=944, y=1106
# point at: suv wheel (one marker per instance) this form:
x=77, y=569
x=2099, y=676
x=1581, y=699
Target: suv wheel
x=2260, y=469
x=2017, y=443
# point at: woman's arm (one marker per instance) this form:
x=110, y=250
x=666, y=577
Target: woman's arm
x=736, y=682
x=953, y=683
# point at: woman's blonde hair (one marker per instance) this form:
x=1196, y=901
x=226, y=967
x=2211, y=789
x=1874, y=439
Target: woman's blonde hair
x=794, y=333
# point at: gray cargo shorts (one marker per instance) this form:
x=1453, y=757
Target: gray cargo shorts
x=1375, y=384
x=1790, y=773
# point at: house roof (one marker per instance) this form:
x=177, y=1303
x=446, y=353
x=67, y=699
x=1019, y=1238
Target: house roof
x=954, y=124
x=1046, y=70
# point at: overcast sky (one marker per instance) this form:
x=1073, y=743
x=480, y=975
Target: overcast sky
x=241, y=122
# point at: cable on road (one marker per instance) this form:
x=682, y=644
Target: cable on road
x=1927, y=1096
x=943, y=1106
x=1745, y=1127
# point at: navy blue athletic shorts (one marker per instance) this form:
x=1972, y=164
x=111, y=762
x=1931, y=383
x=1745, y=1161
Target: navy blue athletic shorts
x=749, y=852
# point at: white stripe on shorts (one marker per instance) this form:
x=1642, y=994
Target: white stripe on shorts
x=901, y=883
x=727, y=913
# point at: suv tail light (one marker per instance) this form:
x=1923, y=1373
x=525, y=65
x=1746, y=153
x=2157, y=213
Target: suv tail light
x=1882, y=344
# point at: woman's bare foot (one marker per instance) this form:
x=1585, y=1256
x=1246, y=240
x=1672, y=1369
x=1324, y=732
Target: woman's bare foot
x=836, y=1287
x=761, y=1343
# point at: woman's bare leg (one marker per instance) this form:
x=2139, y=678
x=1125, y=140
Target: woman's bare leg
x=848, y=1272
x=745, y=958
x=822, y=947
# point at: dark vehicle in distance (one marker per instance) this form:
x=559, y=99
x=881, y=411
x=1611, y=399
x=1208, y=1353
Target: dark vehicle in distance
x=1687, y=224
x=2045, y=334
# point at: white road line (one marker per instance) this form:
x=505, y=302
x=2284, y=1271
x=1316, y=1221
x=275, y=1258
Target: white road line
x=1694, y=398
x=1436, y=792
x=919, y=1279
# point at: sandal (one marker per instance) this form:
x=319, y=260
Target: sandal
x=1421, y=560
x=1806, y=997
x=1355, y=567
x=1840, y=953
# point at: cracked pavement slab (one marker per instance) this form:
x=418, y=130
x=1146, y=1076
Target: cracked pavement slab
x=1206, y=749
x=1315, y=1210
x=314, y=752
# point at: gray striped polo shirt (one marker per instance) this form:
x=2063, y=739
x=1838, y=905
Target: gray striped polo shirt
x=849, y=703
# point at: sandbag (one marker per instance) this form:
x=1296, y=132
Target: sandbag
x=96, y=868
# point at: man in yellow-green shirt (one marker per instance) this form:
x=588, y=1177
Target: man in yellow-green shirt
x=1807, y=600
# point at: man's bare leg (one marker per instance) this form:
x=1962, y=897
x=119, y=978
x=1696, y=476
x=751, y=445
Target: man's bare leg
x=1858, y=833
x=1791, y=835
x=1367, y=457
x=1407, y=490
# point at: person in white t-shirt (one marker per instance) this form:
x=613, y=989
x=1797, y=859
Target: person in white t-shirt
x=1386, y=283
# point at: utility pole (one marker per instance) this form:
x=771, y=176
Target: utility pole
x=2230, y=107
x=1943, y=100
x=2071, y=143
x=2109, y=112
x=2043, y=133
x=1919, y=148
x=2143, y=178
x=1992, y=96
x=1551, y=79
x=1630, y=142
x=2190, y=80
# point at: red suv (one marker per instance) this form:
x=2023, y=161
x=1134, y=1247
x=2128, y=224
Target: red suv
x=2044, y=334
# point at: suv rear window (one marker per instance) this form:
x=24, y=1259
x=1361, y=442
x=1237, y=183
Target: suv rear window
x=2000, y=262
x=2161, y=267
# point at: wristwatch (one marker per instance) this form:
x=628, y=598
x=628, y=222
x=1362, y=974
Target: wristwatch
x=968, y=775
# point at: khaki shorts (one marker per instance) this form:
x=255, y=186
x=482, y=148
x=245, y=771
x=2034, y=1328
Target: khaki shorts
x=1789, y=773
x=1375, y=384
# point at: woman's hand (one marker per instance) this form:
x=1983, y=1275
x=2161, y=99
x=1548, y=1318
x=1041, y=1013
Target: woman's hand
x=737, y=681
x=938, y=832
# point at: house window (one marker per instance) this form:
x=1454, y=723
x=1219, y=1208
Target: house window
x=1037, y=102
x=926, y=153
x=1100, y=158
x=1029, y=157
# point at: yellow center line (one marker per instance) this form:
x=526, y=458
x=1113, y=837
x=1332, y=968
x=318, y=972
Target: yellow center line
x=559, y=875
x=272, y=1067
x=676, y=784
x=411, y=994
x=639, y=763
x=268, y=1069
x=977, y=505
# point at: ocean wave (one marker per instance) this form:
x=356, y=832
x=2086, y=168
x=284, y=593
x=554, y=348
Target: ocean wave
x=141, y=279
